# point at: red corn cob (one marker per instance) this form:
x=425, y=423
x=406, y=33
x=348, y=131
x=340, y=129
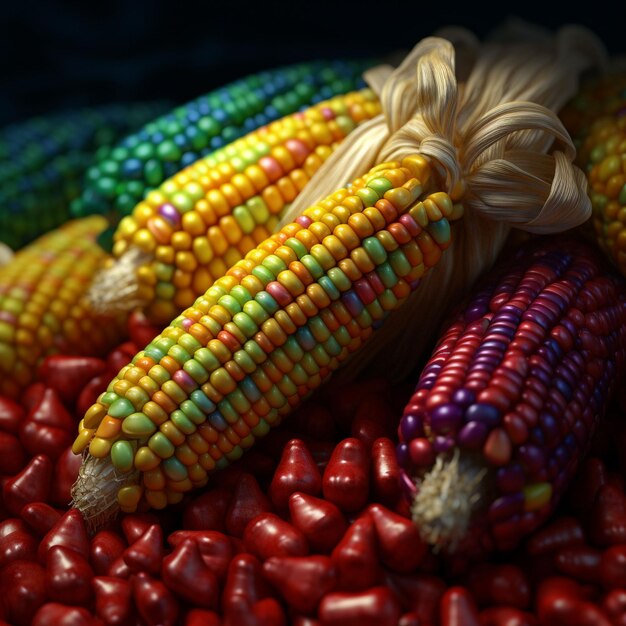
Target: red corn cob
x=508, y=403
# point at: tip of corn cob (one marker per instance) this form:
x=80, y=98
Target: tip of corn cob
x=95, y=493
x=6, y=254
x=115, y=289
x=447, y=499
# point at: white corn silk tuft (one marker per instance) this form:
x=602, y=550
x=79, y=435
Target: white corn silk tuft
x=488, y=124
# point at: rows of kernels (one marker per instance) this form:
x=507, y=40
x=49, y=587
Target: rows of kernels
x=43, y=160
x=521, y=379
x=206, y=218
x=166, y=145
x=42, y=309
x=267, y=333
x=597, y=119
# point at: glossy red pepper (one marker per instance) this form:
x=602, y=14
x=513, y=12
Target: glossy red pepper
x=48, y=427
x=346, y=478
x=499, y=584
x=146, y=553
x=373, y=607
x=579, y=562
x=607, y=525
x=296, y=471
x=202, y=617
x=321, y=522
x=248, y=501
x=268, y=535
x=68, y=576
x=63, y=615
x=208, y=510
x=17, y=542
x=106, y=546
x=506, y=616
x=186, y=574
x=613, y=567
x=39, y=516
x=11, y=415
x=12, y=454
x=114, y=600
x=216, y=549
x=32, y=484
x=400, y=545
x=385, y=472
x=65, y=475
x=458, y=608
x=245, y=584
x=301, y=581
x=564, y=532
x=356, y=557
x=23, y=585
x=136, y=525
x=419, y=593
x=67, y=375
x=156, y=605
x=70, y=532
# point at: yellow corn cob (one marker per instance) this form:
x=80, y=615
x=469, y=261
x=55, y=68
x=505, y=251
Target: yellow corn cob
x=42, y=306
x=262, y=338
x=596, y=118
x=208, y=216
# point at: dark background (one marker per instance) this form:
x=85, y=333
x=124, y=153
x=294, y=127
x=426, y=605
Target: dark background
x=57, y=54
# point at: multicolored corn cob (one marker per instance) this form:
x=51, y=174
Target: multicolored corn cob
x=508, y=403
x=165, y=146
x=596, y=118
x=43, y=160
x=260, y=339
x=211, y=214
x=42, y=307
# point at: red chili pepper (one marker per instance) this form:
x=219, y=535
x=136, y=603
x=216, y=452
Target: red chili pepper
x=458, y=608
x=156, y=605
x=579, y=562
x=106, y=547
x=208, y=510
x=400, y=545
x=68, y=576
x=268, y=535
x=23, y=585
x=248, y=501
x=301, y=581
x=67, y=375
x=216, y=549
x=41, y=517
x=564, y=532
x=32, y=484
x=420, y=593
x=499, y=584
x=113, y=600
x=146, y=554
x=296, y=471
x=65, y=474
x=320, y=521
x=62, y=615
x=17, y=543
x=186, y=574
x=346, y=479
x=608, y=517
x=373, y=607
x=613, y=567
x=356, y=556
x=70, y=532
x=385, y=471
x=506, y=616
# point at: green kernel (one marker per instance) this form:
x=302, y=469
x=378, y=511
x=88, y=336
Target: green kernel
x=297, y=246
x=189, y=343
x=179, y=354
x=235, y=454
x=368, y=196
x=138, y=425
x=207, y=359
x=245, y=362
x=274, y=263
x=263, y=274
x=261, y=429
x=239, y=401
x=192, y=410
x=255, y=311
x=109, y=398
x=196, y=371
x=257, y=354
x=174, y=469
x=340, y=280
x=241, y=294
x=440, y=231
x=230, y=304
x=318, y=329
x=245, y=324
x=374, y=250
x=182, y=422
x=380, y=186
x=122, y=455
x=161, y=445
x=315, y=269
x=244, y=219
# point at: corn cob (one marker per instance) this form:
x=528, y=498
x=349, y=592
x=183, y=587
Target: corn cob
x=281, y=320
x=264, y=336
x=596, y=118
x=42, y=310
x=208, y=216
x=42, y=162
x=165, y=146
x=508, y=403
